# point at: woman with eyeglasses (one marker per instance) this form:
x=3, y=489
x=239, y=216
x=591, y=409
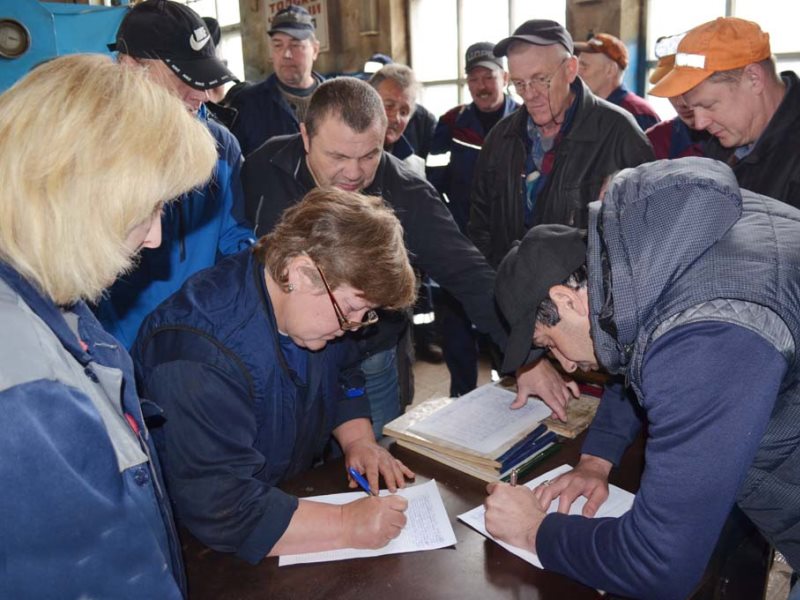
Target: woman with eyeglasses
x=254, y=372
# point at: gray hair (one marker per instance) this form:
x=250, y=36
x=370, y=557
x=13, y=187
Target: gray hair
x=402, y=75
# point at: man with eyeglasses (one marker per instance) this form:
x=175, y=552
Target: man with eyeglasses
x=277, y=105
x=546, y=163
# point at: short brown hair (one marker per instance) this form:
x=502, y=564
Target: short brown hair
x=354, y=101
x=355, y=239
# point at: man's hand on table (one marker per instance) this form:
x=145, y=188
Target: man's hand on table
x=543, y=380
x=589, y=479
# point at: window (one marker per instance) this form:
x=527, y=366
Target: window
x=668, y=17
x=226, y=12
x=442, y=30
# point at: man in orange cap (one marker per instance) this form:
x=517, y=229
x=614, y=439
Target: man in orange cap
x=725, y=73
x=601, y=64
x=676, y=137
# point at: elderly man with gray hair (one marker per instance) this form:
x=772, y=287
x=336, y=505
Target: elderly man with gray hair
x=398, y=87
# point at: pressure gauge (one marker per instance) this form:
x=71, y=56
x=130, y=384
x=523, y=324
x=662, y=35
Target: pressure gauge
x=14, y=39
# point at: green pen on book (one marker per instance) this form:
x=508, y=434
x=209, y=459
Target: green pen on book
x=534, y=460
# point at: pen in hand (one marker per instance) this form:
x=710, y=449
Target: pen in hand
x=513, y=478
x=360, y=480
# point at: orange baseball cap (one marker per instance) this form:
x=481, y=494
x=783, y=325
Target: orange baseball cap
x=721, y=45
x=604, y=43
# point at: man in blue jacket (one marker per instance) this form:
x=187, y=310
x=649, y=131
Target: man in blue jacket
x=689, y=288
x=277, y=105
x=459, y=136
x=172, y=42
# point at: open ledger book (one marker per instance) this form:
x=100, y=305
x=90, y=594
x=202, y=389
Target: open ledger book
x=427, y=527
x=470, y=433
x=618, y=503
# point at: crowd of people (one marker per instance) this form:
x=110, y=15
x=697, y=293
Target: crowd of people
x=211, y=309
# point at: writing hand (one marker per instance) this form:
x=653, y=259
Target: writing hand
x=513, y=514
x=373, y=522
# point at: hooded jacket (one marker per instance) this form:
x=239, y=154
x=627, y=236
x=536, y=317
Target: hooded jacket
x=694, y=295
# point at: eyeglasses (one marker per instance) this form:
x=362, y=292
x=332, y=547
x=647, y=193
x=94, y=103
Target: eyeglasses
x=539, y=84
x=370, y=318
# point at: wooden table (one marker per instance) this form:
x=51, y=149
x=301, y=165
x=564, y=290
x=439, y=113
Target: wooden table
x=474, y=568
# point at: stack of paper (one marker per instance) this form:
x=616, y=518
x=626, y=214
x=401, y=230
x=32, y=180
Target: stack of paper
x=618, y=503
x=477, y=433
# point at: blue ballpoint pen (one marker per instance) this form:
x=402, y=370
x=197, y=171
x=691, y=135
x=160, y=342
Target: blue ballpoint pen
x=359, y=479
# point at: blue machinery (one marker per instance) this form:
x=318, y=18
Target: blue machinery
x=32, y=32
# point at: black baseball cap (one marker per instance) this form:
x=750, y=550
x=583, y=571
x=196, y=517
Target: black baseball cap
x=539, y=32
x=482, y=55
x=294, y=21
x=174, y=33
x=546, y=256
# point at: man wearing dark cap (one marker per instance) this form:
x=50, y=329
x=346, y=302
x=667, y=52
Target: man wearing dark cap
x=174, y=45
x=456, y=143
x=690, y=287
x=277, y=105
x=546, y=163
x=725, y=73
x=601, y=64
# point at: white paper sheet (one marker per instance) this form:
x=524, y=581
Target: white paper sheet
x=427, y=527
x=618, y=503
x=482, y=420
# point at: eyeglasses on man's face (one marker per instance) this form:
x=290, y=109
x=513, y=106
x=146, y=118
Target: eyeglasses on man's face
x=370, y=317
x=539, y=84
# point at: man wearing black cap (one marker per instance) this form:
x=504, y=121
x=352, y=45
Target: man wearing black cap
x=173, y=44
x=457, y=140
x=546, y=163
x=689, y=287
x=277, y=105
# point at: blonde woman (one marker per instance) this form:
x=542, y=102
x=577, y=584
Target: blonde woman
x=90, y=152
x=254, y=370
